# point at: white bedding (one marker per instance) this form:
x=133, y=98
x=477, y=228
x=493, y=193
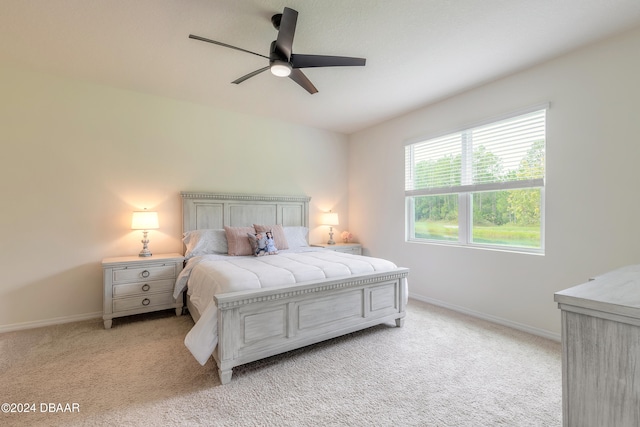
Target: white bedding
x=208, y=275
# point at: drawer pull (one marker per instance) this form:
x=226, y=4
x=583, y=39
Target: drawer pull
x=146, y=301
x=146, y=287
x=145, y=274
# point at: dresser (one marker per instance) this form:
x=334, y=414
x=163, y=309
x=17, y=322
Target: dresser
x=134, y=285
x=351, y=248
x=601, y=350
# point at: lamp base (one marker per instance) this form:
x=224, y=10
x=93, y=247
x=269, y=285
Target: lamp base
x=331, y=242
x=145, y=241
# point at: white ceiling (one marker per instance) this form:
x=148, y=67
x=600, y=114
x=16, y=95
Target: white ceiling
x=417, y=51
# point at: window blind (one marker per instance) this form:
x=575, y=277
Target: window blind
x=506, y=154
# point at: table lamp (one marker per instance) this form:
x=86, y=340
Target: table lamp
x=330, y=219
x=144, y=220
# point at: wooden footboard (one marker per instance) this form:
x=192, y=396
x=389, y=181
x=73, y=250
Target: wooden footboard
x=253, y=325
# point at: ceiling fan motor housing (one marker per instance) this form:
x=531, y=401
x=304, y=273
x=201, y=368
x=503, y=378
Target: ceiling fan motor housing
x=275, y=54
x=278, y=62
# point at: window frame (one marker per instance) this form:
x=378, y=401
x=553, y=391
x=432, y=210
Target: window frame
x=465, y=192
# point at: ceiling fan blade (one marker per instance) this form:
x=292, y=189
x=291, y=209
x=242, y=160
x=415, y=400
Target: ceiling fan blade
x=248, y=76
x=191, y=36
x=298, y=77
x=286, y=31
x=309, y=61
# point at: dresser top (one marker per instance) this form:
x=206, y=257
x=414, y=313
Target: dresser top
x=616, y=292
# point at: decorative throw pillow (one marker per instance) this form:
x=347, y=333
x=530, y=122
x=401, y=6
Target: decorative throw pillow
x=253, y=241
x=278, y=234
x=237, y=240
x=256, y=244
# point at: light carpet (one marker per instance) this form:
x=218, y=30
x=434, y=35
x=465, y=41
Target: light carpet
x=441, y=369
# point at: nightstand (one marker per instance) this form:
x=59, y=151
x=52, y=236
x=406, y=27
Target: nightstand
x=350, y=248
x=134, y=285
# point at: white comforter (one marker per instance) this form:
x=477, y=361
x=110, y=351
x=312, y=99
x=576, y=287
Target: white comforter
x=208, y=275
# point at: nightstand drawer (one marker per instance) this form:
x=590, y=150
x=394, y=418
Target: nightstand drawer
x=142, y=301
x=349, y=248
x=354, y=250
x=141, y=288
x=142, y=274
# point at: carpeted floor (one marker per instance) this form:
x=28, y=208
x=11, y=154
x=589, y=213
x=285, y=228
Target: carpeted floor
x=441, y=369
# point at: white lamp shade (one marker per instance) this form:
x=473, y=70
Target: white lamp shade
x=144, y=220
x=330, y=218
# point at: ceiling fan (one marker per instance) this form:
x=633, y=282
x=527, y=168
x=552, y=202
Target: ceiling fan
x=282, y=61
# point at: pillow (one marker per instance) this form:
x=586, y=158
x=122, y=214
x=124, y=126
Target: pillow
x=253, y=241
x=296, y=237
x=204, y=242
x=257, y=249
x=278, y=234
x=237, y=240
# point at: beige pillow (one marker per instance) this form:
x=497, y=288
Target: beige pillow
x=237, y=240
x=278, y=234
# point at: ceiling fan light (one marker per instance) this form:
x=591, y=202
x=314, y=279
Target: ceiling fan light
x=280, y=68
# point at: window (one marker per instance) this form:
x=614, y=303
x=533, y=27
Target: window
x=482, y=186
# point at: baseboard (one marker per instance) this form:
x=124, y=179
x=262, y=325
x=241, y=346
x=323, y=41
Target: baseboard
x=500, y=321
x=49, y=322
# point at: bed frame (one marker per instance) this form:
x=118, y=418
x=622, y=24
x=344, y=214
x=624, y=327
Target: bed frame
x=256, y=324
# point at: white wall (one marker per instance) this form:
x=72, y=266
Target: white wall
x=77, y=158
x=592, y=203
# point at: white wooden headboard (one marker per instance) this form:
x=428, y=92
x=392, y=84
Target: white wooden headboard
x=215, y=210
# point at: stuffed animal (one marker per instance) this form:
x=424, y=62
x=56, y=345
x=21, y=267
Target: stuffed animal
x=271, y=244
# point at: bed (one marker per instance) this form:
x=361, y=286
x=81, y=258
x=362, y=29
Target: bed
x=305, y=296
